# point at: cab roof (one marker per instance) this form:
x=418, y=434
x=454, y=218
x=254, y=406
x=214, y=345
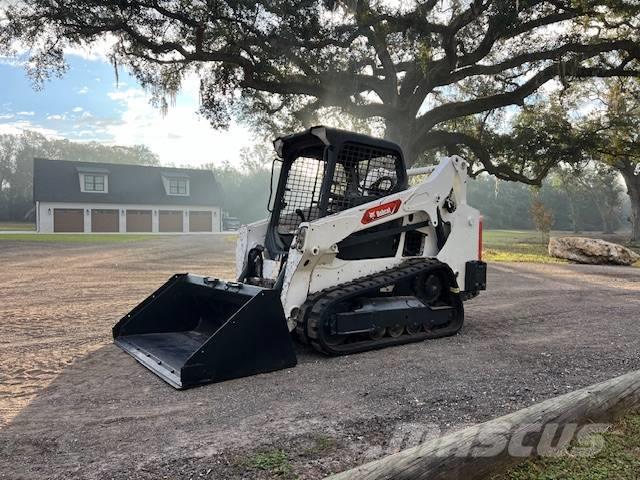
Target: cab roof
x=314, y=140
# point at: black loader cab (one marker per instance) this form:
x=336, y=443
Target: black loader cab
x=325, y=171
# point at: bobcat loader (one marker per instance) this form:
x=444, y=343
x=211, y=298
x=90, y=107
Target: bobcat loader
x=350, y=259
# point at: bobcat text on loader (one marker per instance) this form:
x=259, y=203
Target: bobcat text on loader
x=350, y=259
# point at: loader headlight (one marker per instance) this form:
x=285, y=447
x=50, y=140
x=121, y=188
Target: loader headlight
x=300, y=238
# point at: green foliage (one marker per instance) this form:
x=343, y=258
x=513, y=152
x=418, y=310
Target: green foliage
x=540, y=137
x=16, y=165
x=13, y=226
x=505, y=205
x=276, y=462
x=612, y=133
x=619, y=459
x=322, y=444
x=598, y=182
x=542, y=217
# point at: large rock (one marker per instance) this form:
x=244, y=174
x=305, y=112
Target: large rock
x=591, y=250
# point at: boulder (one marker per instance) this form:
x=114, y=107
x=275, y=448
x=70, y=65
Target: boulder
x=591, y=250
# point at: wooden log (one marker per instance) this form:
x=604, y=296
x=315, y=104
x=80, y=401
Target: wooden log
x=490, y=447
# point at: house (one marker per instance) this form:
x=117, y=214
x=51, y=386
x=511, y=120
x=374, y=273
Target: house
x=109, y=197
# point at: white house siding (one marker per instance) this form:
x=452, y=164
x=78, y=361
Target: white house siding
x=44, y=214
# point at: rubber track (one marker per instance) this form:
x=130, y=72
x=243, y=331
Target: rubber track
x=318, y=304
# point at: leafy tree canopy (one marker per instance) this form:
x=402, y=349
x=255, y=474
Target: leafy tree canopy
x=415, y=69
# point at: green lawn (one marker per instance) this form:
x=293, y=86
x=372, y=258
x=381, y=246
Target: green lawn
x=619, y=459
x=528, y=245
x=515, y=246
x=5, y=226
x=80, y=238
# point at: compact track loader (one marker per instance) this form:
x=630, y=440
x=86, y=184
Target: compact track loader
x=350, y=259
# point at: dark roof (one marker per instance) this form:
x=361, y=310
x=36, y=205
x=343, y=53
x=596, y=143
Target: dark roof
x=58, y=181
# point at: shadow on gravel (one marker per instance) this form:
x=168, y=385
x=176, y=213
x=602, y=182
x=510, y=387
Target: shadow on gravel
x=538, y=333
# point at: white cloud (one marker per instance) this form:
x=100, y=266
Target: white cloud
x=25, y=114
x=181, y=137
x=12, y=61
x=83, y=91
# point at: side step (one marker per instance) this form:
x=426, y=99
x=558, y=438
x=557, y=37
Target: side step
x=195, y=330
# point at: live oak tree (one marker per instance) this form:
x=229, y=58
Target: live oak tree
x=418, y=69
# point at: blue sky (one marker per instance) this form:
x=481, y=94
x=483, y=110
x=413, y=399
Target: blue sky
x=88, y=104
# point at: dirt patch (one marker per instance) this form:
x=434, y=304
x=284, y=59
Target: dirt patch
x=72, y=405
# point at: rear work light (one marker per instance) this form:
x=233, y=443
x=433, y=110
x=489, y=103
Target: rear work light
x=480, y=239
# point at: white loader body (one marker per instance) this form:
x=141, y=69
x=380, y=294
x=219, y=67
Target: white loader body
x=312, y=262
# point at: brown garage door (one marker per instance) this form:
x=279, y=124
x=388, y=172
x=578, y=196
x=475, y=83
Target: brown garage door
x=199, y=221
x=139, y=221
x=104, y=220
x=170, y=220
x=68, y=220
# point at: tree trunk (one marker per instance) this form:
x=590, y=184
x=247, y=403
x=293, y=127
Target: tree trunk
x=607, y=220
x=605, y=215
x=573, y=211
x=633, y=190
x=400, y=132
x=573, y=214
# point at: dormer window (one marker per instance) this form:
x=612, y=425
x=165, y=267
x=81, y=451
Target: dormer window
x=93, y=180
x=94, y=183
x=176, y=184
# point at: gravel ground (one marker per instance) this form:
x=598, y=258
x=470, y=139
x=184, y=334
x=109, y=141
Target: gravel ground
x=72, y=405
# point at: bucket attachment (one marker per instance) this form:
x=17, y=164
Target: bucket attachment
x=196, y=330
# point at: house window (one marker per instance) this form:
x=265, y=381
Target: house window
x=94, y=183
x=178, y=186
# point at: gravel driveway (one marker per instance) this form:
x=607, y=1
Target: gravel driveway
x=72, y=405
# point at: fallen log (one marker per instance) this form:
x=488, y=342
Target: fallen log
x=545, y=428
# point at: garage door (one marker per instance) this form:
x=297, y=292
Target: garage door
x=170, y=220
x=104, y=220
x=68, y=220
x=199, y=221
x=139, y=221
